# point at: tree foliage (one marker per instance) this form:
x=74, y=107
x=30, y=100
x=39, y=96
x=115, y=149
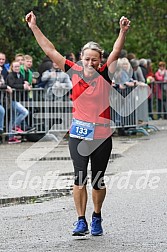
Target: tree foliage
x=69, y=24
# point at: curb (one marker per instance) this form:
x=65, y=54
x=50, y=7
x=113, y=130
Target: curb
x=55, y=193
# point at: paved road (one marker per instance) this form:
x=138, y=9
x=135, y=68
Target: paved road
x=32, y=169
x=134, y=213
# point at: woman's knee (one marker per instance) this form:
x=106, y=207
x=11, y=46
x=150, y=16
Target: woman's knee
x=26, y=112
x=98, y=182
x=80, y=178
x=2, y=110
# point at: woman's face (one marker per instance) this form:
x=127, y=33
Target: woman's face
x=125, y=66
x=91, y=60
x=2, y=59
x=16, y=67
x=162, y=67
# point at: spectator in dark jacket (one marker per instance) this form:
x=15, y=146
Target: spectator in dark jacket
x=4, y=71
x=19, y=112
x=2, y=110
x=45, y=65
x=143, y=65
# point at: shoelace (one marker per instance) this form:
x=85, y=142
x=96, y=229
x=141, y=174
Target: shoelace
x=96, y=221
x=79, y=222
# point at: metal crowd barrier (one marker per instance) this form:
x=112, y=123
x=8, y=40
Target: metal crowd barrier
x=57, y=114
x=157, y=101
x=129, y=108
x=51, y=110
x=48, y=110
x=31, y=100
x=121, y=105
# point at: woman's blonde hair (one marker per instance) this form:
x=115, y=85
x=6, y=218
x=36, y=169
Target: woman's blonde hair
x=93, y=46
x=122, y=61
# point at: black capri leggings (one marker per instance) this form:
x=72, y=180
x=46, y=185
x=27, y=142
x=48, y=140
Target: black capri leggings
x=98, y=150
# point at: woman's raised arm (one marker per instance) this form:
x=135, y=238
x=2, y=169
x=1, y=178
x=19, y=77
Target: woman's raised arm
x=119, y=44
x=44, y=43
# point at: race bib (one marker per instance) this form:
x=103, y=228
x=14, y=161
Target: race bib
x=82, y=130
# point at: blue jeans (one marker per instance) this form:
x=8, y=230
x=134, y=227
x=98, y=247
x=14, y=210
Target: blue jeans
x=19, y=113
x=2, y=115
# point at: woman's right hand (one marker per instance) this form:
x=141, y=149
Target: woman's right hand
x=124, y=23
x=9, y=89
x=31, y=19
x=27, y=86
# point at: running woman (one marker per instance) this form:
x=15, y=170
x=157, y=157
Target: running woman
x=90, y=133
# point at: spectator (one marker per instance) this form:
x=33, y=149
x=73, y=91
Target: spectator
x=19, y=112
x=131, y=56
x=26, y=70
x=2, y=116
x=70, y=56
x=161, y=76
x=123, y=74
x=138, y=75
x=55, y=78
x=123, y=84
x=57, y=85
x=122, y=80
x=143, y=65
x=150, y=73
x=46, y=64
x=78, y=56
x=137, y=72
x=104, y=57
x=150, y=80
x=2, y=110
x=3, y=65
x=19, y=58
x=123, y=54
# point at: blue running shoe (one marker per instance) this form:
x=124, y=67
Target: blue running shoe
x=81, y=228
x=96, y=228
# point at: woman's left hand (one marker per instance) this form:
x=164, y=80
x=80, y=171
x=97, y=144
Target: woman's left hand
x=124, y=23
